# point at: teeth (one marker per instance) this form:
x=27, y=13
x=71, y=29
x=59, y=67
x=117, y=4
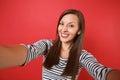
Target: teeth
x=64, y=35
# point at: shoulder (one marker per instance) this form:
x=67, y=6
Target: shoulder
x=40, y=44
x=85, y=54
x=47, y=42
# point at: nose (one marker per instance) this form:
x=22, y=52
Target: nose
x=65, y=28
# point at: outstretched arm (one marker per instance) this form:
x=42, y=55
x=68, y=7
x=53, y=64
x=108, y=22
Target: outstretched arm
x=97, y=70
x=14, y=55
x=22, y=54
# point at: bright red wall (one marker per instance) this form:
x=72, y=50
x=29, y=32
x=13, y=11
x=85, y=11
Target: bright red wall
x=26, y=21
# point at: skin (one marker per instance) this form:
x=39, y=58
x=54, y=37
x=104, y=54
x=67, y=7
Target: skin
x=113, y=75
x=12, y=55
x=15, y=55
x=68, y=28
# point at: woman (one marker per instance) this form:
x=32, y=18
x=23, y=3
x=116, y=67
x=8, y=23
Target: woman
x=64, y=57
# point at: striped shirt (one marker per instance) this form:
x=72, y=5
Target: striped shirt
x=86, y=60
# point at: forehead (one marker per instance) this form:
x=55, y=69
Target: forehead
x=70, y=18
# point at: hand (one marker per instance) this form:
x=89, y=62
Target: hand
x=113, y=75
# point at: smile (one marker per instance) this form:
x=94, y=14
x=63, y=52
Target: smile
x=64, y=35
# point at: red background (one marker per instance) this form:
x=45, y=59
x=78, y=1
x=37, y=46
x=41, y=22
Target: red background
x=26, y=21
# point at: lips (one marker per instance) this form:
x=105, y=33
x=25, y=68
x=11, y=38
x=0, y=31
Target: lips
x=64, y=35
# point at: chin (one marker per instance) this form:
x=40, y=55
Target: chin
x=65, y=41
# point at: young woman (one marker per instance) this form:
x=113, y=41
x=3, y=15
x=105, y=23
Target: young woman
x=64, y=57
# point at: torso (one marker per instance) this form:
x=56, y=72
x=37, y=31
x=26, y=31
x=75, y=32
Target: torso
x=56, y=71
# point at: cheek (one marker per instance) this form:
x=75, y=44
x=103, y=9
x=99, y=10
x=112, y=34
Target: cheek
x=74, y=32
x=58, y=28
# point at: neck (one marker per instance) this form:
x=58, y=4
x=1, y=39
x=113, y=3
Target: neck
x=66, y=46
x=65, y=49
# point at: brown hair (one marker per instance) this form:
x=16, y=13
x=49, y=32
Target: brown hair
x=52, y=57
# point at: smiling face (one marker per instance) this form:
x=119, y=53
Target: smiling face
x=68, y=28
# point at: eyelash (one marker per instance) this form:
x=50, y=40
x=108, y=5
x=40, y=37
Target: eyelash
x=61, y=23
x=70, y=25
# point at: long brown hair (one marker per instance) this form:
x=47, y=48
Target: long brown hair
x=52, y=57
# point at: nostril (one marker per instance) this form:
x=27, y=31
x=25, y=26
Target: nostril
x=65, y=29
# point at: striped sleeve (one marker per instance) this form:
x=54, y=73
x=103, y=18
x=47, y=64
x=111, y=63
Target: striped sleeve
x=94, y=68
x=36, y=49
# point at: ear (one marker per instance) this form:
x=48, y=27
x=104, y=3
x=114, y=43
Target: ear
x=79, y=32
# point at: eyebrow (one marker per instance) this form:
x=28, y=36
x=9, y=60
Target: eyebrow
x=68, y=22
x=71, y=22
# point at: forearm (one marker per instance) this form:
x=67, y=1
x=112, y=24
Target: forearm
x=12, y=55
x=113, y=75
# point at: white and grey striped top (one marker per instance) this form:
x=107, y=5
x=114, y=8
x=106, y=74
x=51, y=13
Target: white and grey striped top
x=87, y=60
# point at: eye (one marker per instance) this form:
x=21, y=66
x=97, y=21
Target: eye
x=71, y=25
x=61, y=23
